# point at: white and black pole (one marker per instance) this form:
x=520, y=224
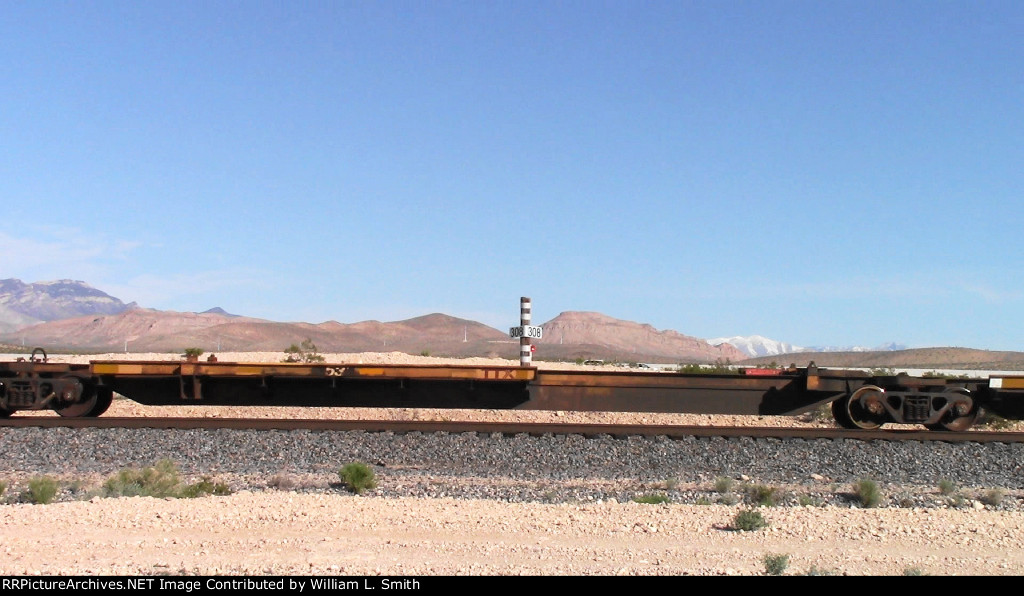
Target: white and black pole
x=525, y=331
x=525, y=355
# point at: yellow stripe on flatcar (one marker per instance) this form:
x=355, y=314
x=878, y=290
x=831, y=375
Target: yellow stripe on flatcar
x=117, y=369
x=365, y=371
x=232, y=371
x=1007, y=382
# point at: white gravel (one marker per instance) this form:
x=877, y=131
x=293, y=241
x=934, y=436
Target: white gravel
x=313, y=534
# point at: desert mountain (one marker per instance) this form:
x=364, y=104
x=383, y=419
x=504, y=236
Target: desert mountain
x=24, y=304
x=147, y=330
x=573, y=335
x=71, y=315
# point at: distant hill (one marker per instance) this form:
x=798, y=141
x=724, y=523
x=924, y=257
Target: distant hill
x=67, y=315
x=927, y=358
x=147, y=330
x=23, y=304
x=572, y=335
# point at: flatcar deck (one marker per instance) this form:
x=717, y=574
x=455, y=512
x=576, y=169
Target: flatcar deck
x=860, y=400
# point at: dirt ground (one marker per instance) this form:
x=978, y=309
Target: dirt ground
x=286, y=533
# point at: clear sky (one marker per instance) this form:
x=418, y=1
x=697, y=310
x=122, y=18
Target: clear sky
x=818, y=172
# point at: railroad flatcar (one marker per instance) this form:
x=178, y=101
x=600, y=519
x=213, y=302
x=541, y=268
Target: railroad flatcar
x=859, y=400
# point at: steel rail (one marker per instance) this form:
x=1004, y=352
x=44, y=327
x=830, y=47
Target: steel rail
x=513, y=428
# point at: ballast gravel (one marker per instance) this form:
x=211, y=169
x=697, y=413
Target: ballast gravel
x=481, y=504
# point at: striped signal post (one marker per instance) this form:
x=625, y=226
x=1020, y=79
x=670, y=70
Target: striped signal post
x=525, y=331
x=525, y=317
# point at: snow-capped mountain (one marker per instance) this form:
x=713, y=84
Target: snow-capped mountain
x=756, y=346
x=887, y=347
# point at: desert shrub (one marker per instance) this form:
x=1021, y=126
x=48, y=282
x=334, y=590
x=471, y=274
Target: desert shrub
x=652, y=499
x=822, y=413
x=42, y=489
x=281, y=481
x=160, y=481
x=913, y=571
x=358, y=477
x=992, y=497
x=947, y=487
x=304, y=352
x=761, y=495
x=867, y=493
x=193, y=352
x=203, y=488
x=809, y=501
x=906, y=502
x=723, y=484
x=720, y=367
x=749, y=520
x=3, y=488
x=728, y=499
x=775, y=564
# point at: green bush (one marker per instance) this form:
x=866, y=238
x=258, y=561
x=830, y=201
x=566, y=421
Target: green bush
x=763, y=496
x=3, y=488
x=749, y=520
x=867, y=492
x=358, y=477
x=652, y=499
x=723, y=484
x=809, y=501
x=203, y=488
x=160, y=481
x=720, y=367
x=42, y=489
x=775, y=564
x=305, y=352
x=947, y=487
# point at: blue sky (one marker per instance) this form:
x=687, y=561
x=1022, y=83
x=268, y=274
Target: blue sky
x=819, y=172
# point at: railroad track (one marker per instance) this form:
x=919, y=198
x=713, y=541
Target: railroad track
x=513, y=428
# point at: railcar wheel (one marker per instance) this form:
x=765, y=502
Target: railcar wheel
x=958, y=419
x=850, y=412
x=86, y=402
x=104, y=397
